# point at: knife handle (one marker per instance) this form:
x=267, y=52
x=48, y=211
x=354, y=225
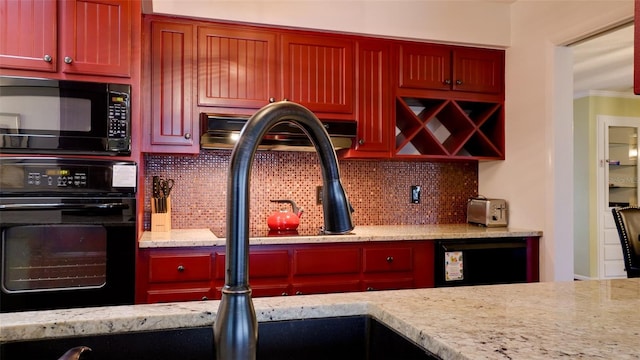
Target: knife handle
x=156, y=186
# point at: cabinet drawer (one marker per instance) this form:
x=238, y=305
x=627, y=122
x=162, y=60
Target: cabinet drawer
x=262, y=264
x=164, y=268
x=389, y=284
x=326, y=261
x=171, y=295
x=318, y=287
x=391, y=259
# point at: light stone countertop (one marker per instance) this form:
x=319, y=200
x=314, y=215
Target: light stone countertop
x=581, y=319
x=204, y=237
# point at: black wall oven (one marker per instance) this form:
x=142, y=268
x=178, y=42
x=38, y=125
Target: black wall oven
x=67, y=233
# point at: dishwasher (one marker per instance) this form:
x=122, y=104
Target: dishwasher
x=480, y=262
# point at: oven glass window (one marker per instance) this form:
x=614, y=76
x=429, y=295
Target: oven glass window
x=53, y=257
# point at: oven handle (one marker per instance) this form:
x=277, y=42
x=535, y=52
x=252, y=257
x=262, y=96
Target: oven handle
x=105, y=206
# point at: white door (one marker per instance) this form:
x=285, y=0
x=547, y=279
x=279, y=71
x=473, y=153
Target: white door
x=617, y=186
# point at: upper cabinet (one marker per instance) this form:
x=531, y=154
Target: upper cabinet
x=411, y=100
x=236, y=67
x=169, y=119
x=241, y=67
x=317, y=72
x=440, y=67
x=92, y=37
x=374, y=95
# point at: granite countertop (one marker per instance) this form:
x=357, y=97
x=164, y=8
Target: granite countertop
x=204, y=237
x=581, y=319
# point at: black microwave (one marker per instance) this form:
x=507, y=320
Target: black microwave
x=46, y=116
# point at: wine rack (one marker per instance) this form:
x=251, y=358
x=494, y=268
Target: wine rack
x=449, y=129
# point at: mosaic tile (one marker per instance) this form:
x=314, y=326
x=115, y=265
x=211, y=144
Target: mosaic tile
x=379, y=191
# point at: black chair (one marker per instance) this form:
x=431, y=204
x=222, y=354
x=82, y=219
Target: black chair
x=628, y=223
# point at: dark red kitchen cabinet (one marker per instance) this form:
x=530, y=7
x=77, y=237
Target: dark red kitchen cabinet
x=28, y=34
x=373, y=106
x=95, y=36
x=268, y=272
x=318, y=72
x=423, y=66
x=326, y=269
x=636, y=62
x=395, y=265
x=478, y=70
x=440, y=67
x=236, y=67
x=165, y=275
x=170, y=77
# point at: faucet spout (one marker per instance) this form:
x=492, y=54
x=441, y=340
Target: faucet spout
x=236, y=328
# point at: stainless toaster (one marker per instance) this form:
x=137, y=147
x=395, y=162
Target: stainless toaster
x=487, y=212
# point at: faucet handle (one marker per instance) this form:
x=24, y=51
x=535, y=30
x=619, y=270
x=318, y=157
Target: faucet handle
x=75, y=353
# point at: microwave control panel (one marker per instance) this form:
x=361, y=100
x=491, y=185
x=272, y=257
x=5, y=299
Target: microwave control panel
x=118, y=132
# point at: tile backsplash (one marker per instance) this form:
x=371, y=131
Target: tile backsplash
x=379, y=191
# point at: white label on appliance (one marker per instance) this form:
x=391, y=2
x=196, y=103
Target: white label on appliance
x=124, y=176
x=453, y=266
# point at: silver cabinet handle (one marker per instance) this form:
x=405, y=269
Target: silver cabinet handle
x=458, y=82
x=361, y=142
x=187, y=136
x=180, y=268
x=68, y=60
x=389, y=259
x=447, y=82
x=298, y=292
x=47, y=58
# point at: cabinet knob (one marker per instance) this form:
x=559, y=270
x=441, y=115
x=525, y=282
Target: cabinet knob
x=47, y=58
x=272, y=100
x=389, y=259
x=180, y=268
x=447, y=82
x=370, y=288
x=285, y=294
x=361, y=142
x=298, y=292
x=187, y=136
x=205, y=298
x=458, y=82
x=68, y=60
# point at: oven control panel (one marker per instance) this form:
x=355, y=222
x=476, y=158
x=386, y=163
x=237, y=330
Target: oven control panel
x=56, y=177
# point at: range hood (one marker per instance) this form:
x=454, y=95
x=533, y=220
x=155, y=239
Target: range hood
x=222, y=131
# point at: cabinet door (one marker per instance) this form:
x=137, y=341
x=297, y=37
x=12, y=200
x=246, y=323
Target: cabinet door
x=317, y=72
x=478, y=70
x=373, y=108
x=96, y=37
x=236, y=67
x=172, y=123
x=424, y=66
x=28, y=34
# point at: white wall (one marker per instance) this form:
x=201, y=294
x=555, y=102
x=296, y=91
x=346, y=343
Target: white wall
x=465, y=22
x=536, y=176
x=539, y=121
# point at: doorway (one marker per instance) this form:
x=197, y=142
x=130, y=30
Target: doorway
x=617, y=184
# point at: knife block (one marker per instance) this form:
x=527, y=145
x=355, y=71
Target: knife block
x=161, y=222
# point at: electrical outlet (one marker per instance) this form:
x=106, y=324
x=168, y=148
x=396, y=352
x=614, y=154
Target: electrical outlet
x=415, y=194
x=319, y=195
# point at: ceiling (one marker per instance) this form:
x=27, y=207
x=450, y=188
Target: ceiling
x=604, y=62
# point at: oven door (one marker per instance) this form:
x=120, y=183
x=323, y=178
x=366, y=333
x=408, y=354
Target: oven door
x=66, y=253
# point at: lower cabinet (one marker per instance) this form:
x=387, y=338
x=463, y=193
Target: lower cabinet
x=166, y=275
x=181, y=274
